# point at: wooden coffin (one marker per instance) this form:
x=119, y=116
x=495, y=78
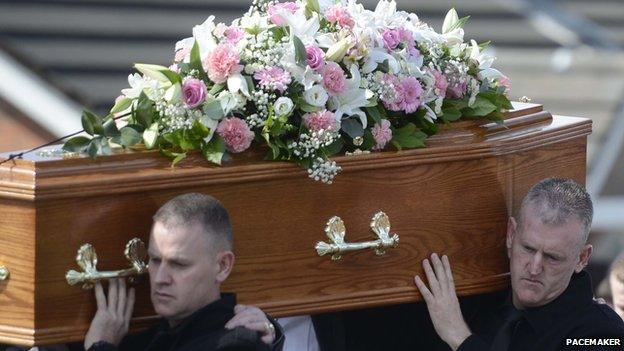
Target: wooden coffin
x=453, y=197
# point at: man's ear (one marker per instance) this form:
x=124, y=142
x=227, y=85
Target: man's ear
x=511, y=231
x=225, y=263
x=584, y=258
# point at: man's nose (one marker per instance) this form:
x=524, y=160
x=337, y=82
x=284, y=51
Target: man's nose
x=535, y=264
x=162, y=276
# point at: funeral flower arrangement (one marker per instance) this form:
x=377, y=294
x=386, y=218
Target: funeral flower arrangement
x=309, y=79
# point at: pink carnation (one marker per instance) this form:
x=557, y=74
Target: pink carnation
x=340, y=15
x=334, y=79
x=275, y=9
x=322, y=120
x=412, y=91
x=235, y=133
x=222, y=63
x=273, y=78
x=382, y=134
x=234, y=34
x=401, y=95
x=441, y=84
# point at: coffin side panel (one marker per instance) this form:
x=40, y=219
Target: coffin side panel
x=17, y=253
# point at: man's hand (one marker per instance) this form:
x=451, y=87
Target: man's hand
x=112, y=318
x=253, y=318
x=442, y=302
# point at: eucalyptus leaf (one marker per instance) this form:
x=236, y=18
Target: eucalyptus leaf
x=352, y=127
x=301, y=56
x=214, y=110
x=129, y=136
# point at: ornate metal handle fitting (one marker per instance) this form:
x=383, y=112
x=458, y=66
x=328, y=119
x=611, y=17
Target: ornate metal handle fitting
x=335, y=231
x=4, y=273
x=86, y=258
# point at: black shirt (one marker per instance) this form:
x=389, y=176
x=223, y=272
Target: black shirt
x=572, y=315
x=203, y=330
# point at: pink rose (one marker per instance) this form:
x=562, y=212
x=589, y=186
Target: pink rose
x=275, y=9
x=391, y=39
x=382, y=134
x=321, y=120
x=194, y=92
x=334, y=79
x=235, y=133
x=315, y=57
x=222, y=62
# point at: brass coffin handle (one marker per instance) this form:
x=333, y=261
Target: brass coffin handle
x=4, y=273
x=87, y=260
x=335, y=230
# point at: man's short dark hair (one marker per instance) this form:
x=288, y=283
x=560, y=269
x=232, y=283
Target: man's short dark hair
x=187, y=209
x=558, y=200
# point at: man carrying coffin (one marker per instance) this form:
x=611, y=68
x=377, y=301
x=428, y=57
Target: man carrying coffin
x=551, y=305
x=190, y=255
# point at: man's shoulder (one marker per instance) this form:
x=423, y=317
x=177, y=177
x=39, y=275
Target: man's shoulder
x=598, y=319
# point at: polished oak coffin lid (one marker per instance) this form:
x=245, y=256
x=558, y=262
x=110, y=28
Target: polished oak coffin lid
x=527, y=126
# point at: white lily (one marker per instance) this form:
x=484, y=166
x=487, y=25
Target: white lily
x=236, y=83
x=376, y=56
x=203, y=36
x=138, y=84
x=303, y=28
x=485, y=63
x=450, y=20
x=352, y=99
x=230, y=101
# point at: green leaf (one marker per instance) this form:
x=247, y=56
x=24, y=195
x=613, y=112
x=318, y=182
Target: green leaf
x=384, y=66
x=301, y=56
x=480, y=108
x=333, y=148
x=153, y=71
x=196, y=62
x=110, y=128
x=373, y=112
x=145, y=111
x=459, y=24
x=91, y=123
x=352, y=127
x=173, y=77
x=150, y=136
x=76, y=144
x=451, y=114
x=199, y=130
x=408, y=137
x=129, y=136
x=214, y=150
x=313, y=6
x=216, y=89
x=121, y=105
x=178, y=157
